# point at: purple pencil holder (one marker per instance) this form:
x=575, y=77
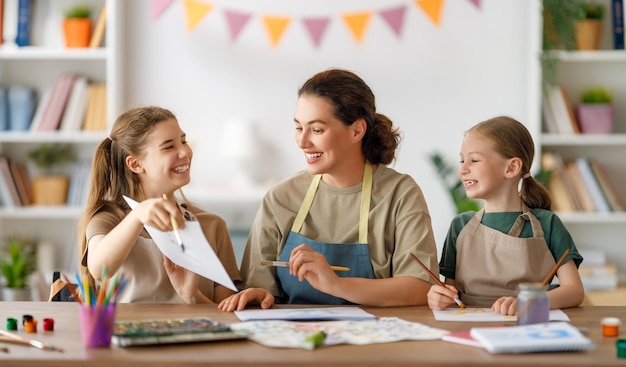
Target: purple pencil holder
x=96, y=325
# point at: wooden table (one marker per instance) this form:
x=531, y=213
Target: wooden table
x=247, y=353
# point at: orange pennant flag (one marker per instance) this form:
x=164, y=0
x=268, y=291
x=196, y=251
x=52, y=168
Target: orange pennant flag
x=276, y=27
x=195, y=11
x=432, y=8
x=356, y=23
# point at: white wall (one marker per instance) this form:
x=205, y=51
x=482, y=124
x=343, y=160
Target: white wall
x=434, y=82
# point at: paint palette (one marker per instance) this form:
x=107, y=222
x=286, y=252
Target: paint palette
x=171, y=331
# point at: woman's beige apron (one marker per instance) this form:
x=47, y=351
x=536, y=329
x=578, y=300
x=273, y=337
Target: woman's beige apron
x=491, y=264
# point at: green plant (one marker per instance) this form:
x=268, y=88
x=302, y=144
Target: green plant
x=49, y=156
x=454, y=186
x=588, y=10
x=597, y=95
x=80, y=11
x=20, y=263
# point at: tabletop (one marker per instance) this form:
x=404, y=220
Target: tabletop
x=66, y=335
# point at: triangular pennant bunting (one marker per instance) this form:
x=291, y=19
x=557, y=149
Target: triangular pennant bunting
x=395, y=18
x=316, y=28
x=275, y=27
x=236, y=21
x=476, y=3
x=356, y=24
x=157, y=7
x=432, y=8
x=195, y=11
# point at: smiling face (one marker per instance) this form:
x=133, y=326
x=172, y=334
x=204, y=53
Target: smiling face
x=165, y=161
x=330, y=147
x=483, y=171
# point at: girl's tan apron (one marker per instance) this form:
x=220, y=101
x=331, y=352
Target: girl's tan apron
x=490, y=264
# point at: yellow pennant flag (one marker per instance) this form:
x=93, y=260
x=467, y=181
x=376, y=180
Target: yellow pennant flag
x=194, y=12
x=356, y=23
x=432, y=8
x=276, y=27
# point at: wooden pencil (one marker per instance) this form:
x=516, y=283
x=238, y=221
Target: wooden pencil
x=285, y=264
x=436, y=279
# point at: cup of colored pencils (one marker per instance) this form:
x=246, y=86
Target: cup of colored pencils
x=97, y=309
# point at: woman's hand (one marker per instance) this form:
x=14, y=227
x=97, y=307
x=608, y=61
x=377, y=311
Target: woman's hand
x=441, y=297
x=238, y=301
x=505, y=305
x=312, y=266
x=158, y=213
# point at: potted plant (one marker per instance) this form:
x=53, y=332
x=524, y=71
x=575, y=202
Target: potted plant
x=16, y=267
x=558, y=34
x=50, y=188
x=588, y=26
x=77, y=26
x=596, y=112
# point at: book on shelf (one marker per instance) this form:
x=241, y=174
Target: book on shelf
x=559, y=185
x=617, y=17
x=9, y=22
x=41, y=106
x=24, y=22
x=607, y=187
x=53, y=110
x=562, y=112
x=581, y=192
x=1, y=21
x=592, y=185
x=21, y=107
x=76, y=106
x=96, y=114
x=595, y=272
x=4, y=109
x=98, y=32
x=10, y=196
x=21, y=180
x=545, y=337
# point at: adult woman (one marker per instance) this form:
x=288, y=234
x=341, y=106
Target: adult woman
x=347, y=209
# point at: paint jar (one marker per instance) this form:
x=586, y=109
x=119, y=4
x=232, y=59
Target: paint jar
x=533, y=304
x=610, y=326
x=621, y=348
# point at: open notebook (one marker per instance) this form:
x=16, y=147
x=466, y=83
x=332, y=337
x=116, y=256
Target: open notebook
x=169, y=331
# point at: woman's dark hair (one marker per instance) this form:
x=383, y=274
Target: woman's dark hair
x=352, y=99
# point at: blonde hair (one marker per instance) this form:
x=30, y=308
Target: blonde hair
x=511, y=139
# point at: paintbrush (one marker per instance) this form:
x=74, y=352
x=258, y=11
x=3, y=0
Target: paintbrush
x=176, y=228
x=285, y=264
x=436, y=279
x=8, y=337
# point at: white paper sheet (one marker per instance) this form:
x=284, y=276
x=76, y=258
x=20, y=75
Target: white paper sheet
x=316, y=313
x=485, y=314
x=198, y=256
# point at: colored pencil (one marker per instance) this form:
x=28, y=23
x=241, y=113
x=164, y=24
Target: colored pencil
x=555, y=268
x=436, y=279
x=176, y=228
x=73, y=290
x=285, y=264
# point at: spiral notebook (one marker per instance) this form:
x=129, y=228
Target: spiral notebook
x=170, y=331
x=548, y=337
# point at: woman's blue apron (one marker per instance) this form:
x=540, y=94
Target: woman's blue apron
x=356, y=256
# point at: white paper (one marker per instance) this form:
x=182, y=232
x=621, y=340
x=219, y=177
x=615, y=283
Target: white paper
x=198, y=256
x=317, y=313
x=485, y=314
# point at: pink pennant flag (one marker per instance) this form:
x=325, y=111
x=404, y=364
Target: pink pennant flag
x=476, y=3
x=157, y=7
x=236, y=21
x=395, y=18
x=316, y=28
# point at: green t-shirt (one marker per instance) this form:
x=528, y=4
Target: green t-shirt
x=556, y=235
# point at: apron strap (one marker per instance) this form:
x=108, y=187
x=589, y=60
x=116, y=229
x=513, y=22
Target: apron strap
x=366, y=196
x=306, y=204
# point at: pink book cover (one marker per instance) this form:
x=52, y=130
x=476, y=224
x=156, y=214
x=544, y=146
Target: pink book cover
x=56, y=105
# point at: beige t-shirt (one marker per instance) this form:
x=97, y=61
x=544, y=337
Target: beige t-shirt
x=399, y=223
x=148, y=280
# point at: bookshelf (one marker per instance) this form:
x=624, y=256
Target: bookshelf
x=38, y=66
x=578, y=71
